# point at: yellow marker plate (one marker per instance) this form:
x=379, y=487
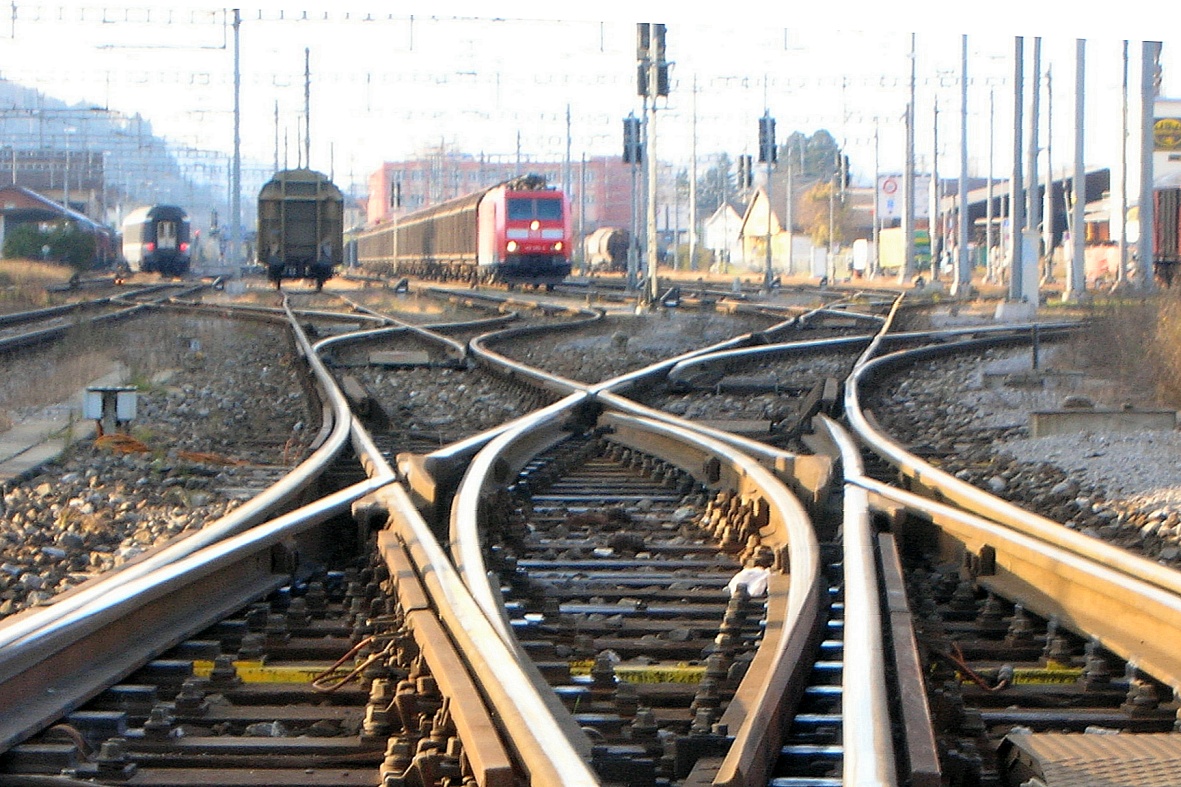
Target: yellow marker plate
x=1047, y=676
x=647, y=673
x=258, y=672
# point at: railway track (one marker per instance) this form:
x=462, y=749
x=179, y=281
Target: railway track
x=583, y=628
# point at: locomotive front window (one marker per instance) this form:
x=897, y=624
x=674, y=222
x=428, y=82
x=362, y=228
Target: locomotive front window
x=520, y=209
x=527, y=209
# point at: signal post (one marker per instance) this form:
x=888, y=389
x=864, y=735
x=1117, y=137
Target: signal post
x=652, y=81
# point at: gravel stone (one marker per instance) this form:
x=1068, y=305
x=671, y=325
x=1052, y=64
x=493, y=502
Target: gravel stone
x=1122, y=487
x=209, y=419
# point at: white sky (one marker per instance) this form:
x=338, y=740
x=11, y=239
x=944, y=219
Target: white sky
x=474, y=76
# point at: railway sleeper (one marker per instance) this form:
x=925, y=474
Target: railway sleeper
x=998, y=673
x=257, y=699
x=644, y=647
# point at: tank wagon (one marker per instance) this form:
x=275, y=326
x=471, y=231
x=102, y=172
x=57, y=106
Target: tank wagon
x=156, y=240
x=516, y=232
x=300, y=227
x=606, y=249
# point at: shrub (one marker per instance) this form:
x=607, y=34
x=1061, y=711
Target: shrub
x=61, y=242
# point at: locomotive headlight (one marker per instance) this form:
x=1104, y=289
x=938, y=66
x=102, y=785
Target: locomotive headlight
x=511, y=246
x=536, y=225
x=558, y=246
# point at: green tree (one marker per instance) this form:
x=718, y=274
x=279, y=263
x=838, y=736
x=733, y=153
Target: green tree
x=24, y=241
x=818, y=153
x=60, y=242
x=715, y=186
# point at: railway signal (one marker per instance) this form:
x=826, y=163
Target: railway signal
x=767, y=152
x=746, y=175
x=633, y=144
x=650, y=50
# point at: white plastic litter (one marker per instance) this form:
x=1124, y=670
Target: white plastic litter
x=755, y=579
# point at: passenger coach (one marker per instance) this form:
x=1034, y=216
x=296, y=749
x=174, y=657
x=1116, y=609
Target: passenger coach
x=156, y=240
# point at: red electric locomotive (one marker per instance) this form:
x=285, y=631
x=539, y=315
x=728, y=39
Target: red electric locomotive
x=517, y=232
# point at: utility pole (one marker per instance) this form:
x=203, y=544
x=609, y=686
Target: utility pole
x=961, y=280
x=1122, y=271
x=791, y=219
x=236, y=167
x=877, y=201
x=1149, y=70
x=693, y=185
x=1033, y=206
x=582, y=266
x=906, y=270
x=567, y=165
x=935, y=222
x=276, y=135
x=307, y=108
x=1048, y=197
x=989, y=210
x=1076, y=271
x=652, y=78
x=1016, y=186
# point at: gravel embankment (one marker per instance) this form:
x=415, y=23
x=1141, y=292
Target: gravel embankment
x=227, y=407
x=1122, y=487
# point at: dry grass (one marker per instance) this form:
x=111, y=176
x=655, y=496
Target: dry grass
x=1164, y=357
x=1136, y=343
x=52, y=375
x=24, y=283
x=40, y=376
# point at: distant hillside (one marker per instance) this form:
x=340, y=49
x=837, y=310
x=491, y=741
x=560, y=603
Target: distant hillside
x=140, y=168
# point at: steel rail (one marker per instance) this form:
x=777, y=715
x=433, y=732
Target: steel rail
x=496, y=464
x=275, y=312
x=68, y=657
x=761, y=707
x=510, y=687
x=48, y=334
x=1132, y=570
x=971, y=498
x=425, y=474
x=471, y=297
x=530, y=717
x=57, y=331
x=25, y=626
x=423, y=332
x=683, y=369
x=1132, y=616
x=438, y=328
x=985, y=333
x=809, y=475
x=105, y=637
x=34, y=315
x=867, y=733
